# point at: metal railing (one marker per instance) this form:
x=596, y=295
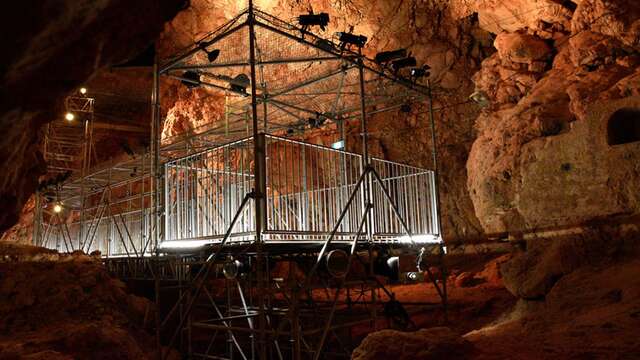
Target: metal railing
x=307, y=186
x=204, y=190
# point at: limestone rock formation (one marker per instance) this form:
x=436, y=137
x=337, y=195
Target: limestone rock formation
x=67, y=306
x=424, y=344
x=543, y=158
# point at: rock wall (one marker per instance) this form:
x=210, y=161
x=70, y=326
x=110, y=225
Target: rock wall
x=542, y=158
x=55, y=47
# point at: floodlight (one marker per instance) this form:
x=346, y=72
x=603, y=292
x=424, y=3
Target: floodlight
x=351, y=39
x=312, y=19
x=240, y=83
x=325, y=45
x=338, y=145
x=191, y=79
x=83, y=90
x=57, y=208
x=480, y=97
x=419, y=72
x=316, y=122
x=386, y=56
x=211, y=55
x=396, y=65
x=69, y=116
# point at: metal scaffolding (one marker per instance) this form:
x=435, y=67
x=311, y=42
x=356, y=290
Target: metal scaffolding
x=269, y=247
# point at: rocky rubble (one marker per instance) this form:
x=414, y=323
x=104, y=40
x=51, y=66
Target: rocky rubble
x=57, y=306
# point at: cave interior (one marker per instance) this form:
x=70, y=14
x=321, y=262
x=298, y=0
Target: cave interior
x=321, y=179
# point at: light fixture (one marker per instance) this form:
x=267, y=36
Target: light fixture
x=480, y=98
x=312, y=19
x=396, y=65
x=338, y=145
x=316, y=122
x=57, y=208
x=69, y=116
x=191, y=79
x=419, y=72
x=420, y=239
x=83, y=90
x=346, y=38
x=183, y=244
x=325, y=45
x=386, y=56
x=211, y=55
x=240, y=83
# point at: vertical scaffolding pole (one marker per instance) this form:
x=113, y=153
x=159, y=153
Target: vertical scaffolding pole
x=155, y=159
x=259, y=192
x=367, y=184
x=443, y=268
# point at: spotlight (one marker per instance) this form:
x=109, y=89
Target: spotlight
x=325, y=45
x=351, y=39
x=317, y=121
x=211, y=55
x=83, y=90
x=338, y=145
x=240, y=83
x=312, y=19
x=396, y=65
x=69, y=116
x=386, y=56
x=232, y=268
x=420, y=72
x=57, y=208
x=191, y=79
x=337, y=262
x=480, y=97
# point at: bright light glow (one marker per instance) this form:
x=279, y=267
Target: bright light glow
x=57, y=208
x=83, y=90
x=69, y=116
x=420, y=239
x=183, y=244
x=338, y=145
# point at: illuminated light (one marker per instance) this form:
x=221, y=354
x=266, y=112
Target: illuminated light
x=69, y=116
x=183, y=244
x=57, y=208
x=83, y=90
x=338, y=145
x=480, y=98
x=420, y=239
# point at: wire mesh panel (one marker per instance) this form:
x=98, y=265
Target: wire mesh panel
x=307, y=187
x=412, y=190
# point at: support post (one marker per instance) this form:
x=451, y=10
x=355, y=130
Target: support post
x=155, y=157
x=260, y=185
x=443, y=268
